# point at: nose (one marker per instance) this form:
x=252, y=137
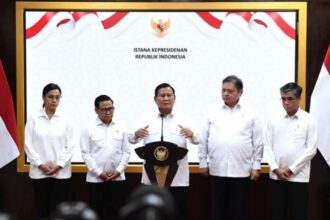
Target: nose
x=166, y=97
x=286, y=101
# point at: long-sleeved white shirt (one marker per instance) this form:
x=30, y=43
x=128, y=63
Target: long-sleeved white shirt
x=49, y=141
x=291, y=142
x=171, y=133
x=104, y=149
x=231, y=141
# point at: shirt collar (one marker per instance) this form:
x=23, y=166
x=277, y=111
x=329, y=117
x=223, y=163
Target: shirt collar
x=295, y=116
x=98, y=122
x=171, y=115
x=167, y=116
x=238, y=106
x=42, y=113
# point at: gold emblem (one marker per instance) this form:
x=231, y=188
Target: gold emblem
x=160, y=27
x=161, y=153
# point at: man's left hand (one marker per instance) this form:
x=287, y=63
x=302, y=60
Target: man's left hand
x=186, y=132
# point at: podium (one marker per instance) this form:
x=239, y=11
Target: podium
x=161, y=161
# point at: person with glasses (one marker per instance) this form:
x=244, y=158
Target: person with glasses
x=291, y=141
x=230, y=152
x=172, y=126
x=105, y=150
x=49, y=145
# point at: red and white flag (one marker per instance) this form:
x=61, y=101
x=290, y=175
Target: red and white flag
x=8, y=130
x=320, y=107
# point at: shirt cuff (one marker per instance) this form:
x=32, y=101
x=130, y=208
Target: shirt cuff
x=38, y=163
x=61, y=163
x=120, y=168
x=293, y=170
x=133, y=139
x=256, y=165
x=272, y=168
x=203, y=164
x=97, y=171
x=194, y=139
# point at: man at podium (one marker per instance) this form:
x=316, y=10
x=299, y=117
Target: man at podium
x=174, y=128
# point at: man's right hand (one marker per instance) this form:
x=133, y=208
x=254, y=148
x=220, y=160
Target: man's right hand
x=142, y=132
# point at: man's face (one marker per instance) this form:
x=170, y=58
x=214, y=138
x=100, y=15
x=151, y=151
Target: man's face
x=165, y=100
x=230, y=94
x=290, y=102
x=105, y=111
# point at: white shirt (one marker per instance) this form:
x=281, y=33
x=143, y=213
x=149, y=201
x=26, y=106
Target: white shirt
x=291, y=142
x=49, y=141
x=171, y=133
x=232, y=141
x=104, y=148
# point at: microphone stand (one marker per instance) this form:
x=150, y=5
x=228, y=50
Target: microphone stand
x=162, y=137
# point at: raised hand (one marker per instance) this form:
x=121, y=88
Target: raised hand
x=142, y=132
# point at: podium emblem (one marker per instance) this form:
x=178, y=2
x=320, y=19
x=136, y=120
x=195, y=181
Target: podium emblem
x=161, y=153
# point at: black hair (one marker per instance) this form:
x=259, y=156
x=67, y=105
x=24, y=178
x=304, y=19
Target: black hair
x=50, y=87
x=292, y=87
x=235, y=80
x=149, y=199
x=73, y=211
x=101, y=98
x=163, y=85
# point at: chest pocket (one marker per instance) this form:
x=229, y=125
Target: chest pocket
x=299, y=134
x=246, y=127
x=174, y=135
x=116, y=136
x=154, y=134
x=97, y=141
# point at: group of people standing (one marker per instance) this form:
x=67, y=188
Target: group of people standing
x=230, y=148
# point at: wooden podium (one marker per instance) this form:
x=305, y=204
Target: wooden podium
x=161, y=161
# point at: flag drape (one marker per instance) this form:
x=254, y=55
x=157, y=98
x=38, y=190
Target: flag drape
x=8, y=130
x=320, y=107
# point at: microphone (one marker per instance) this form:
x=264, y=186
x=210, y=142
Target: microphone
x=161, y=136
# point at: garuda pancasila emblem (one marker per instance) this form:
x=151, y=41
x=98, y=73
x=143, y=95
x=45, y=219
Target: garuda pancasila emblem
x=160, y=28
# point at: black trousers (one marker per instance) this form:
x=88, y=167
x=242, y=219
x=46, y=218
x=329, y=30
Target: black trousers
x=289, y=198
x=107, y=198
x=49, y=192
x=229, y=198
x=180, y=197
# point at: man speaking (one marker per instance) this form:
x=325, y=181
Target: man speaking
x=169, y=126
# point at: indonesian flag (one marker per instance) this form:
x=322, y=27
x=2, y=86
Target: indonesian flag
x=8, y=131
x=320, y=107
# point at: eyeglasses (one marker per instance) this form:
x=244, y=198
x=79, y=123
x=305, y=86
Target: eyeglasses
x=289, y=99
x=106, y=110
